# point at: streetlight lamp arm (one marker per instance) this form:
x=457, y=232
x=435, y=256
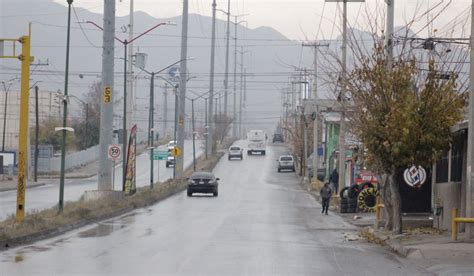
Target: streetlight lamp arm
x=171, y=65
x=99, y=27
x=147, y=31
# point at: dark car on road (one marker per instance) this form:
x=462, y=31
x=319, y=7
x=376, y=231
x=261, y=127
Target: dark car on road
x=203, y=182
x=277, y=137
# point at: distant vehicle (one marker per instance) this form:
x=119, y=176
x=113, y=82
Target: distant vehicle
x=257, y=140
x=236, y=151
x=203, y=182
x=277, y=137
x=170, y=160
x=171, y=145
x=286, y=162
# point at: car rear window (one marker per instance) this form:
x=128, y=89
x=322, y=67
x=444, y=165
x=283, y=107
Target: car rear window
x=234, y=148
x=286, y=158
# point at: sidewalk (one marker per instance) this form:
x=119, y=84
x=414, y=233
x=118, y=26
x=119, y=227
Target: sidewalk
x=430, y=248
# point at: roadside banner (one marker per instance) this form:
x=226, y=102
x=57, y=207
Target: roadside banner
x=130, y=176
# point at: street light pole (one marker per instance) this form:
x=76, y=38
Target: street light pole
x=194, y=135
x=124, y=132
x=470, y=143
x=226, y=80
x=151, y=132
x=206, y=125
x=182, y=89
x=210, y=127
x=175, y=89
x=125, y=43
x=64, y=131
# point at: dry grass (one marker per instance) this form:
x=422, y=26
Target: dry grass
x=81, y=212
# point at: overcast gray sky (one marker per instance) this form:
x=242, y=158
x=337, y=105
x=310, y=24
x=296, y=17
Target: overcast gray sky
x=296, y=19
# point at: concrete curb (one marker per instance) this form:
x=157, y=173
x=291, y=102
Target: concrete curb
x=76, y=176
x=391, y=242
x=29, y=186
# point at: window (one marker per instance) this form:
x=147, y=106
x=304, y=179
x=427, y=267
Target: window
x=442, y=168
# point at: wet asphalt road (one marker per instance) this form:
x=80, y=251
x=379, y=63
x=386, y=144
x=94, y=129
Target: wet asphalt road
x=47, y=196
x=262, y=223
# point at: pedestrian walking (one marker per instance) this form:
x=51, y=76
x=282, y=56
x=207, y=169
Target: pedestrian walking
x=325, y=193
x=334, y=180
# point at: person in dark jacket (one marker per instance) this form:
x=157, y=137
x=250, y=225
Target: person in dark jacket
x=325, y=193
x=334, y=180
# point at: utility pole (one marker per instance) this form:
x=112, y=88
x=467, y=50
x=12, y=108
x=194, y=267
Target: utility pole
x=226, y=80
x=194, y=135
x=206, y=128
x=165, y=111
x=182, y=89
x=36, y=133
x=130, y=92
x=245, y=101
x=241, y=90
x=389, y=32
x=315, y=107
x=151, y=132
x=106, y=106
x=470, y=144
x=210, y=122
x=342, y=126
x=65, y=102
x=234, y=115
x=175, y=89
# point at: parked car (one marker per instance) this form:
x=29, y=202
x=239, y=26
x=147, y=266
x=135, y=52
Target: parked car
x=286, y=162
x=203, y=182
x=170, y=161
x=235, y=151
x=277, y=137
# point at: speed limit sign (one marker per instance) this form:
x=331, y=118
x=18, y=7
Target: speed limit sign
x=114, y=152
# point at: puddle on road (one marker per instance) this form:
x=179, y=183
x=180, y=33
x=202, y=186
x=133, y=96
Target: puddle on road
x=106, y=228
x=58, y=241
x=100, y=230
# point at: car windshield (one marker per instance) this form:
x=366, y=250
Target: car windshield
x=286, y=158
x=234, y=148
x=202, y=175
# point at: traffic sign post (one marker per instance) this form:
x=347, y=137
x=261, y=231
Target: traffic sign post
x=160, y=155
x=176, y=151
x=114, y=154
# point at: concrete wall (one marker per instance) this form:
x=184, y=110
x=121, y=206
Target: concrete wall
x=450, y=196
x=73, y=160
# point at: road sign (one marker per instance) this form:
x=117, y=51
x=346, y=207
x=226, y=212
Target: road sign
x=114, y=152
x=173, y=74
x=160, y=155
x=176, y=152
x=107, y=94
